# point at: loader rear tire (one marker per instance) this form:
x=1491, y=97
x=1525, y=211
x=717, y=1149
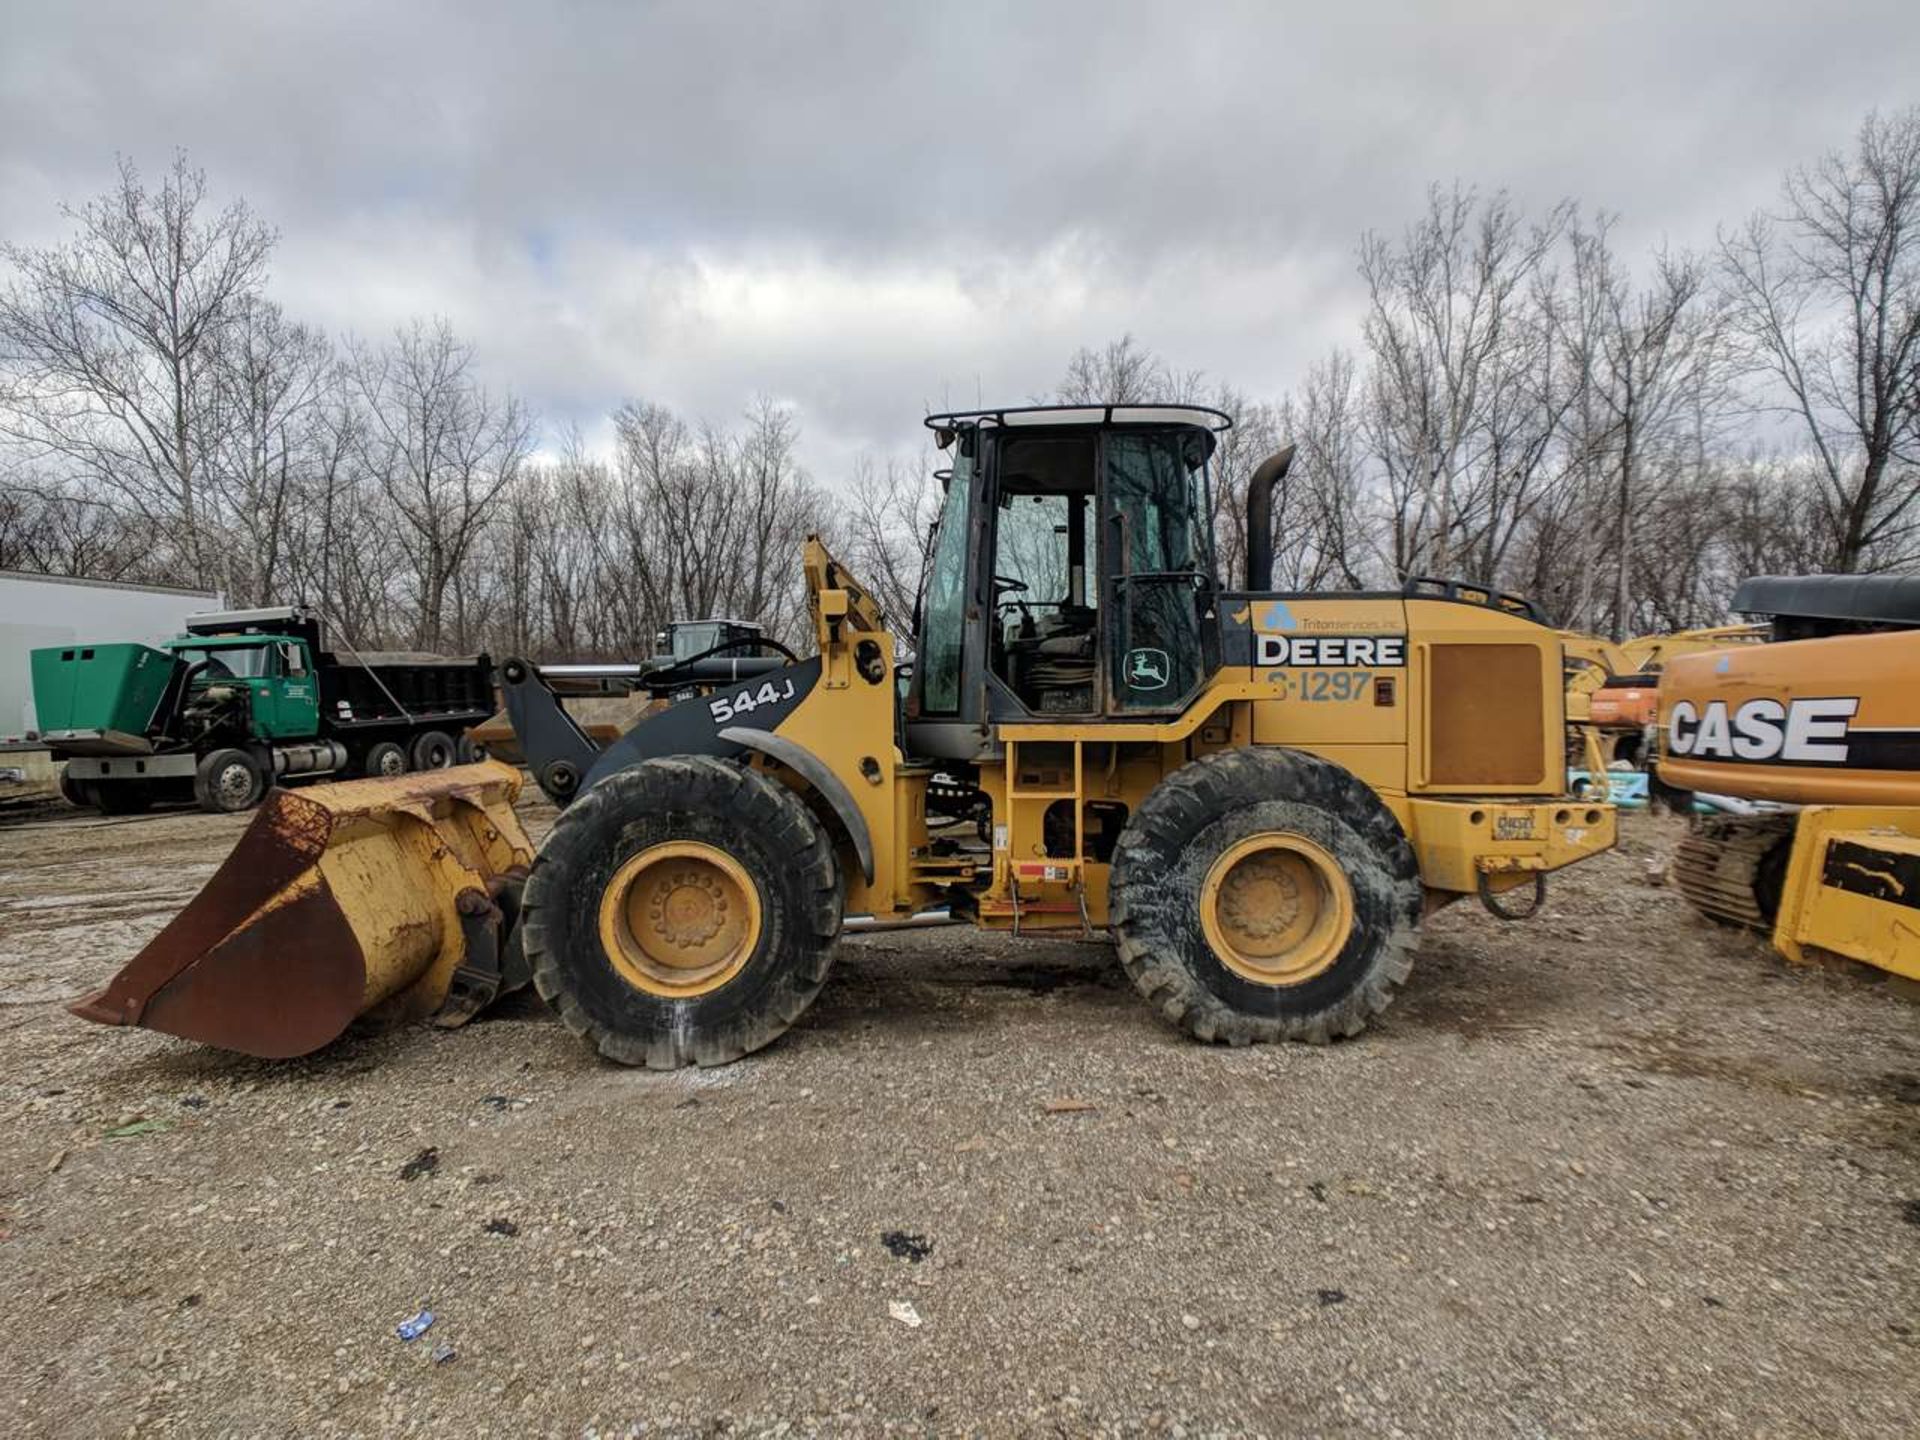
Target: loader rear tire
x=1261, y=895
x=682, y=912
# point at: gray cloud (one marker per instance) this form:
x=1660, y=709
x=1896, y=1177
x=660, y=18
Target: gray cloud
x=864, y=209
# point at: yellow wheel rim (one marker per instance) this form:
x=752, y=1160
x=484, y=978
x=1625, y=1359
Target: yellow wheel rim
x=1277, y=909
x=679, y=919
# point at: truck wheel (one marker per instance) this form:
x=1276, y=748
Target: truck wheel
x=467, y=751
x=228, y=780
x=74, y=791
x=432, y=750
x=385, y=760
x=683, y=911
x=1262, y=895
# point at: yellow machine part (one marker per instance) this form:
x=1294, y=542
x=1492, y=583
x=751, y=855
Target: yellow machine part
x=1852, y=887
x=1475, y=708
x=341, y=900
x=1494, y=844
x=1593, y=661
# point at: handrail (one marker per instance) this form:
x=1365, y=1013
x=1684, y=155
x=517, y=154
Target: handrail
x=1469, y=592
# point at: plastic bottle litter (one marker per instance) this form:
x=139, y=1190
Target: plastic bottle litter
x=414, y=1326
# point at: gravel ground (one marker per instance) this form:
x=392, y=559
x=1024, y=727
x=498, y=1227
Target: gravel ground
x=1612, y=1172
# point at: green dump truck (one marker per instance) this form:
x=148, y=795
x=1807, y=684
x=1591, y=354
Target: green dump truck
x=246, y=699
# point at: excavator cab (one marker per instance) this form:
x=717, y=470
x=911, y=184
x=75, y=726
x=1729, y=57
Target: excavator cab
x=1258, y=795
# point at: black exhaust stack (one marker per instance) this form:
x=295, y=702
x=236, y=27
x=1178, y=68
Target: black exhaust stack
x=1260, y=490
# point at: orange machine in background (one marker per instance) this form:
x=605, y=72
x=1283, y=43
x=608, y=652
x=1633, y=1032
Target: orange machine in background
x=1614, y=689
x=1824, y=717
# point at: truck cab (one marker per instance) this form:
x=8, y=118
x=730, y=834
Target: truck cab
x=258, y=686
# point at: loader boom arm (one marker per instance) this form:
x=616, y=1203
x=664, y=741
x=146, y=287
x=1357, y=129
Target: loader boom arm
x=557, y=751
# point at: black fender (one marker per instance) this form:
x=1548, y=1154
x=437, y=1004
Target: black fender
x=565, y=761
x=695, y=726
x=812, y=769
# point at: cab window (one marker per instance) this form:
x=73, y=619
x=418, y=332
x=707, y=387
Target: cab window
x=232, y=662
x=1044, y=637
x=943, y=630
x=1157, y=508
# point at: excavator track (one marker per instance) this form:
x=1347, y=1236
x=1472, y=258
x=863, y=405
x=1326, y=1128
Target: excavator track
x=1722, y=867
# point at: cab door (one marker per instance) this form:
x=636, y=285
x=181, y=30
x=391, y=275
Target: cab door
x=1157, y=554
x=291, y=696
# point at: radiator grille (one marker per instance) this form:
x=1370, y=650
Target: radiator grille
x=1485, y=716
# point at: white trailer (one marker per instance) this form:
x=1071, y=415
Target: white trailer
x=41, y=610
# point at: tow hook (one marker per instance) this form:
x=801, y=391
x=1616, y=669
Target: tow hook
x=1494, y=908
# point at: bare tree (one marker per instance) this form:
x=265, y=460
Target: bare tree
x=1237, y=454
x=1827, y=290
x=108, y=342
x=886, y=529
x=781, y=509
x=51, y=533
x=270, y=376
x=1124, y=372
x=1319, y=540
x=1443, y=303
x=1648, y=362
x=442, y=451
x=709, y=521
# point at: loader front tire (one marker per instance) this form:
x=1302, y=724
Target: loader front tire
x=1264, y=894
x=682, y=912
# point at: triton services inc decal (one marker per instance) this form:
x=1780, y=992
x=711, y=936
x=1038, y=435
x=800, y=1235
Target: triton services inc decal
x=1815, y=730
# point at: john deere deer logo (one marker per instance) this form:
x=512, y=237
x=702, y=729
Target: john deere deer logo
x=1148, y=669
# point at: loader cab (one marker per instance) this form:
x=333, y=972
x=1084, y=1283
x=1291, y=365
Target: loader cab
x=1071, y=577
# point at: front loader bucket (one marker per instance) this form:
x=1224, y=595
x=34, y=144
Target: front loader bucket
x=365, y=896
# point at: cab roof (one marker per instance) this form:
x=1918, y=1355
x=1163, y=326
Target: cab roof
x=1202, y=417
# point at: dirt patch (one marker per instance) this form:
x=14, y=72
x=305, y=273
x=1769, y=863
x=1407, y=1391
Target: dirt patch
x=1612, y=1171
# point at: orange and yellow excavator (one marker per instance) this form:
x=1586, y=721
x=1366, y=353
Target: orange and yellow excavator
x=1815, y=735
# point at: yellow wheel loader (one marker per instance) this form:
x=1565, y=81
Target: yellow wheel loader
x=1813, y=739
x=1258, y=795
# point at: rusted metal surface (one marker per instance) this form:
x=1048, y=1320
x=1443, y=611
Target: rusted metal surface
x=340, y=900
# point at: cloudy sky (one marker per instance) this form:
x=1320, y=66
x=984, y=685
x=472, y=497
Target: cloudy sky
x=866, y=209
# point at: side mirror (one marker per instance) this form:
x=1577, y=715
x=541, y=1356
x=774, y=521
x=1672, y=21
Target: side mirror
x=1260, y=490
